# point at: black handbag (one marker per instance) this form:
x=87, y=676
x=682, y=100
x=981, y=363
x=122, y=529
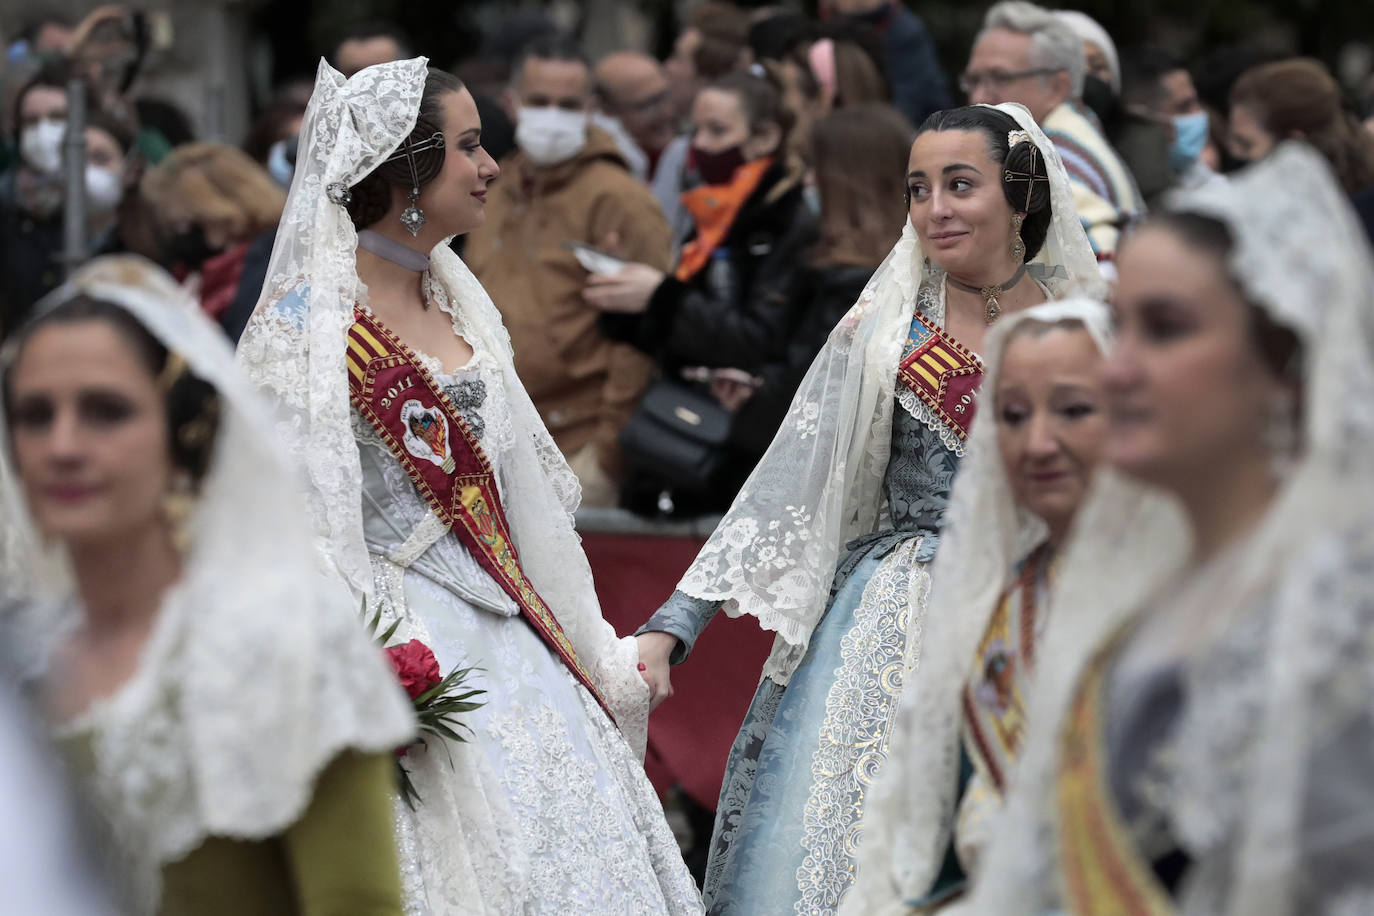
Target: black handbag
x=677, y=436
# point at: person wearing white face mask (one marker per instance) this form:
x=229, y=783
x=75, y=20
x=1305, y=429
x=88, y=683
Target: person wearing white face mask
x=566, y=183
x=31, y=196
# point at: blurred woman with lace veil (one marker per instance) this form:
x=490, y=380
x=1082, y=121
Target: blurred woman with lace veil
x=829, y=542
x=1213, y=756
x=230, y=718
x=440, y=498
x=1031, y=458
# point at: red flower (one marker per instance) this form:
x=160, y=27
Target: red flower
x=415, y=667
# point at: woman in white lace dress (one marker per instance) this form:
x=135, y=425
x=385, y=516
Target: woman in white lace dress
x=1214, y=755
x=439, y=496
x=829, y=543
x=222, y=705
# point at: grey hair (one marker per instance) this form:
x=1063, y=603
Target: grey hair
x=1053, y=44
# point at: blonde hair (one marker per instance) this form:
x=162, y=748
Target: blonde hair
x=220, y=185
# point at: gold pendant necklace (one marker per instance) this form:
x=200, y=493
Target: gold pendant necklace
x=991, y=294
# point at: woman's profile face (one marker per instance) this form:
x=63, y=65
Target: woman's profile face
x=1246, y=135
x=456, y=198
x=1051, y=419
x=1187, y=389
x=958, y=208
x=89, y=430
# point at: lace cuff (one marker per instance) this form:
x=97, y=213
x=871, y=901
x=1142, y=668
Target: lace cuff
x=684, y=617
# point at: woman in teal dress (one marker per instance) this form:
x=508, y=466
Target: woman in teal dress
x=829, y=542
x=221, y=704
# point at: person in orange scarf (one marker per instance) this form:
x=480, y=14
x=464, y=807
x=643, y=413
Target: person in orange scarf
x=730, y=305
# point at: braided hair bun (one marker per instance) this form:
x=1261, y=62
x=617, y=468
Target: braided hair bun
x=1025, y=172
x=371, y=197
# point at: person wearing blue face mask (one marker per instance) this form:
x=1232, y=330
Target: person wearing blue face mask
x=1167, y=133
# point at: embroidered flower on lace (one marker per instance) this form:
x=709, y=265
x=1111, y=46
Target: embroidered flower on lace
x=557, y=797
x=859, y=713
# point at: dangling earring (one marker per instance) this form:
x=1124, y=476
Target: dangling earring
x=1281, y=434
x=1018, y=247
x=412, y=217
x=178, y=505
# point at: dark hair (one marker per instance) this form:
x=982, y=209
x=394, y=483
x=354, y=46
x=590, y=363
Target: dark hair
x=372, y=196
x=53, y=74
x=192, y=403
x=267, y=128
x=119, y=128
x=1142, y=74
x=550, y=46
x=777, y=35
x=1277, y=344
x=760, y=98
x=376, y=28
x=166, y=118
x=1028, y=195
x=724, y=29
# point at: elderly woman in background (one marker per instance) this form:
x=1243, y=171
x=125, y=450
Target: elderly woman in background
x=217, y=212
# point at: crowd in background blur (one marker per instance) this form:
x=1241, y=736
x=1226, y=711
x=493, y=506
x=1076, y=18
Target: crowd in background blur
x=671, y=240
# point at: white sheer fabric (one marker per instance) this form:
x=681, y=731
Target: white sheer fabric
x=549, y=809
x=257, y=673
x=912, y=810
x=819, y=485
x=1269, y=788
x=293, y=349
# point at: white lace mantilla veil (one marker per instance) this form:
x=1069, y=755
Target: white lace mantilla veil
x=910, y=813
x=294, y=345
x=1239, y=794
x=819, y=485
x=258, y=672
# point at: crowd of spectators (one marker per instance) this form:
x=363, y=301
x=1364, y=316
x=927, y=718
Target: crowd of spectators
x=669, y=238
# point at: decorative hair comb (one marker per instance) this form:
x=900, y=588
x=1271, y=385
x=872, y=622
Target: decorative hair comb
x=1018, y=136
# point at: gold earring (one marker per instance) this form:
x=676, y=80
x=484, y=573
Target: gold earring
x=178, y=505
x=1018, y=247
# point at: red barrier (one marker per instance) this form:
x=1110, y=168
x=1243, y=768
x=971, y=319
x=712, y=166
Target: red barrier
x=691, y=733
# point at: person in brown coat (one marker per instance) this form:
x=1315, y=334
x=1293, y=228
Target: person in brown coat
x=566, y=183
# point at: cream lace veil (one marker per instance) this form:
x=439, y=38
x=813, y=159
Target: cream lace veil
x=258, y=672
x=910, y=814
x=819, y=485
x=1258, y=750
x=293, y=350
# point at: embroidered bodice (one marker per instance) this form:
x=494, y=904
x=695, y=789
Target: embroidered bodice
x=397, y=522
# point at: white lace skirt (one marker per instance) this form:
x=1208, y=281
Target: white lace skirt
x=546, y=809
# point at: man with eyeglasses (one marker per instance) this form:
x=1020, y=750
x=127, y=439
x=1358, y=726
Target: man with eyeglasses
x=1025, y=54
x=635, y=105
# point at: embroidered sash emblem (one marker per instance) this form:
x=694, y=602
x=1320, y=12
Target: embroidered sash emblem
x=943, y=373
x=445, y=461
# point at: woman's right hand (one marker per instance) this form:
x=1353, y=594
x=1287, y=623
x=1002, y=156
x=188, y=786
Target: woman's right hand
x=654, y=650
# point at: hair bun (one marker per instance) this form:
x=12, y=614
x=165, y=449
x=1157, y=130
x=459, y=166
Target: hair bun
x=1026, y=175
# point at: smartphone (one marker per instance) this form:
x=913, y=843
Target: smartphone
x=594, y=260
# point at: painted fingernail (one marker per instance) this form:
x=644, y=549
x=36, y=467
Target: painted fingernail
x=643, y=667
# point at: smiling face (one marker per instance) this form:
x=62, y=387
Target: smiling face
x=958, y=208
x=1051, y=420
x=88, y=425
x=456, y=199
x=1187, y=389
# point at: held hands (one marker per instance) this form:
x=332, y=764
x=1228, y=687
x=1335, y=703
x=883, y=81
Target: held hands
x=654, y=649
